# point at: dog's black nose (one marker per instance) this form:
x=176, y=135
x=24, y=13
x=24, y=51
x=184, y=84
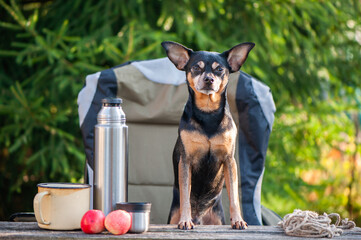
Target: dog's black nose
x=208, y=80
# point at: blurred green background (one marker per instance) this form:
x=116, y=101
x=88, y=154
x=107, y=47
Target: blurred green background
x=308, y=52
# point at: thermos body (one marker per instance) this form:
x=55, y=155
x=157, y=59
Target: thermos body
x=110, y=157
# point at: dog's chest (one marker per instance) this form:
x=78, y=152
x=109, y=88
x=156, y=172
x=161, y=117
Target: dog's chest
x=198, y=145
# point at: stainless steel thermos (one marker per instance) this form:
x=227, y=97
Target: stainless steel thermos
x=110, y=156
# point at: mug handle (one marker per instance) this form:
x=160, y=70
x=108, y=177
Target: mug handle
x=37, y=206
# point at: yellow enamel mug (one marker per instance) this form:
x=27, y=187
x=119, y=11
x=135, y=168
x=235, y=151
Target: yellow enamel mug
x=61, y=206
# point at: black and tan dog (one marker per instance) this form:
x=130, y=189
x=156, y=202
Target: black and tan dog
x=203, y=156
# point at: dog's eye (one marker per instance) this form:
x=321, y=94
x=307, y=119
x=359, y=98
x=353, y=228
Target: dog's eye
x=219, y=69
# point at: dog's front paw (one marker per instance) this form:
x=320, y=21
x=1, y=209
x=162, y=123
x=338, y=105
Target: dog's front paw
x=186, y=225
x=239, y=224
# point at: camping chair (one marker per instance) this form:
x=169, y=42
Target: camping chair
x=154, y=94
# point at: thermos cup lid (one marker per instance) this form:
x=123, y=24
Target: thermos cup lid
x=134, y=206
x=112, y=101
x=111, y=112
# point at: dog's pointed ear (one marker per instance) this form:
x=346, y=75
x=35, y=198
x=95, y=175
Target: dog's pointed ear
x=237, y=55
x=177, y=53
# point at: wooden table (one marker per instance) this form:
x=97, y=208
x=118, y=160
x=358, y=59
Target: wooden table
x=23, y=230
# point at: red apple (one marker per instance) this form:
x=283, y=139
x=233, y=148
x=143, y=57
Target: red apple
x=92, y=221
x=118, y=222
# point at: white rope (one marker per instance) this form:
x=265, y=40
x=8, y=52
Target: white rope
x=310, y=224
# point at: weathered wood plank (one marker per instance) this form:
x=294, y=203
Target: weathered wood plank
x=11, y=230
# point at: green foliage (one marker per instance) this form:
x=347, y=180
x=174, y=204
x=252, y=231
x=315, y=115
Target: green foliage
x=308, y=52
x=311, y=154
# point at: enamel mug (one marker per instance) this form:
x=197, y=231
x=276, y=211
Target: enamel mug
x=61, y=206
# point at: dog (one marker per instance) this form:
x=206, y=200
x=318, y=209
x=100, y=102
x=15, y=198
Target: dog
x=203, y=156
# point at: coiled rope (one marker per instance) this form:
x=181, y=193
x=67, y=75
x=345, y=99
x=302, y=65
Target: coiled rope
x=311, y=224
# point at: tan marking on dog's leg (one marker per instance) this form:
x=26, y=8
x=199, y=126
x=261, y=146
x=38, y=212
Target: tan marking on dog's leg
x=230, y=172
x=185, y=176
x=195, y=145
